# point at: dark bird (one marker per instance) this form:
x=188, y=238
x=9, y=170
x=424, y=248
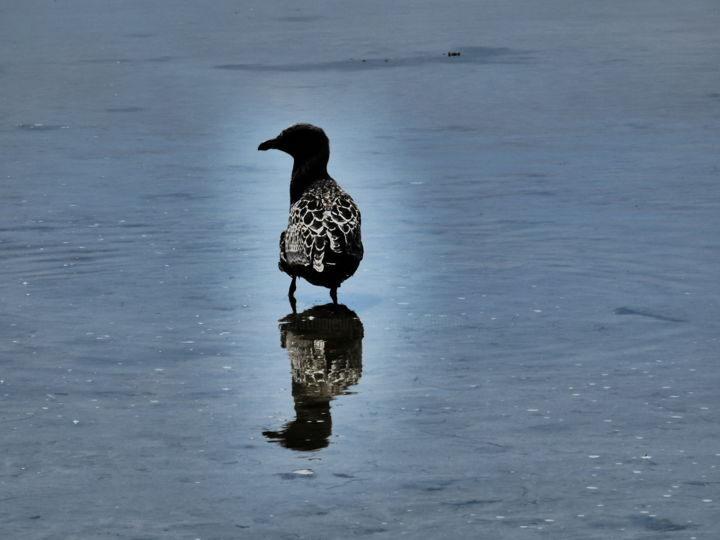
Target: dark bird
x=322, y=241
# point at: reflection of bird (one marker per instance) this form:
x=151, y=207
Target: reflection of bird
x=324, y=344
x=322, y=241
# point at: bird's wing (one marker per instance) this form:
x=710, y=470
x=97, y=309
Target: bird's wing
x=321, y=223
x=342, y=221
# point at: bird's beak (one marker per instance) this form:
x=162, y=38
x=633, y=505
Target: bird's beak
x=267, y=145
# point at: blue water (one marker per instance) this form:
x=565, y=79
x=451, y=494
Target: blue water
x=532, y=345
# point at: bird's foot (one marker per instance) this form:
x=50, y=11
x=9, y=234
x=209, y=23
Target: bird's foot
x=291, y=295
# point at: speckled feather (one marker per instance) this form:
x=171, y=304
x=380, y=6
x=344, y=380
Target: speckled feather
x=323, y=225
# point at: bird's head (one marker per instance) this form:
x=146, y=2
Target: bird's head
x=301, y=141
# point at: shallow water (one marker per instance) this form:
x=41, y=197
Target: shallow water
x=533, y=350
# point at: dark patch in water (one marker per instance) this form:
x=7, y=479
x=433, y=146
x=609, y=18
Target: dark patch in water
x=135, y=225
x=431, y=486
x=124, y=109
x=157, y=59
x=472, y=502
x=36, y=228
x=367, y=531
x=471, y=55
x=700, y=483
x=550, y=428
x=658, y=524
x=628, y=311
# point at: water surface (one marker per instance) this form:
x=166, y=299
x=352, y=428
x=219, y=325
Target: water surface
x=528, y=350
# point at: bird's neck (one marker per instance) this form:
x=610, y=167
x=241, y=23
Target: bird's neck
x=304, y=173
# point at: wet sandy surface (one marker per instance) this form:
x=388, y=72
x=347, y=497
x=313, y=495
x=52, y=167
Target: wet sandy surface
x=530, y=347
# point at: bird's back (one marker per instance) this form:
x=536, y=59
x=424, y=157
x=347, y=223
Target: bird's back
x=322, y=242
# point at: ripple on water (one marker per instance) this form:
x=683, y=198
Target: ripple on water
x=41, y=127
x=55, y=250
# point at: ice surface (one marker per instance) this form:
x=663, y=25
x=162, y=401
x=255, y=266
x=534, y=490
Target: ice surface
x=539, y=297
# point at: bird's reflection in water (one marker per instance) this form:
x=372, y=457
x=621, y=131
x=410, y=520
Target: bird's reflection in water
x=324, y=344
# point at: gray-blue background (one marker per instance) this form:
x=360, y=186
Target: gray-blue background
x=540, y=291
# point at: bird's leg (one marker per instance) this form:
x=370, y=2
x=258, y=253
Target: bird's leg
x=291, y=294
x=333, y=294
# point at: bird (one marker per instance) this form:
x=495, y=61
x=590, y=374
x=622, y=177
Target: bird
x=322, y=243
